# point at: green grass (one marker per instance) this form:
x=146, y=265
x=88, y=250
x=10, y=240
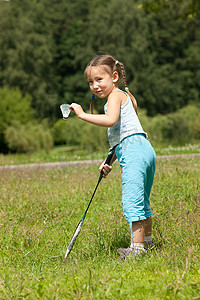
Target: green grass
x=66, y=153
x=55, y=155
x=177, y=149
x=40, y=210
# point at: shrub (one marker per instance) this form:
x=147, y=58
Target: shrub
x=181, y=126
x=28, y=138
x=59, y=132
x=68, y=131
x=94, y=138
x=191, y=115
x=76, y=132
x=14, y=106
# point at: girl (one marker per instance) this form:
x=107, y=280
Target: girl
x=132, y=149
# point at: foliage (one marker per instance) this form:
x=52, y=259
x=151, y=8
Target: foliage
x=181, y=126
x=41, y=208
x=94, y=138
x=28, y=137
x=13, y=106
x=19, y=132
x=45, y=46
x=26, y=53
x=187, y=8
x=76, y=132
x=68, y=131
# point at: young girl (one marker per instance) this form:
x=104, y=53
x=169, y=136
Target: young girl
x=135, y=154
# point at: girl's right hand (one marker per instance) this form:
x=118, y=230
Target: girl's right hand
x=105, y=168
x=77, y=109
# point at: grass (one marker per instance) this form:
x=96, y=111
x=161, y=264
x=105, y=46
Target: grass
x=55, y=155
x=66, y=153
x=40, y=210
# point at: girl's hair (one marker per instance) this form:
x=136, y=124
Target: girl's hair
x=111, y=65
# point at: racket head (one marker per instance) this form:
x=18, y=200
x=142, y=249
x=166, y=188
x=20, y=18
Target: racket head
x=73, y=239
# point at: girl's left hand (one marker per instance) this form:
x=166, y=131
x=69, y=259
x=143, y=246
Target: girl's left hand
x=77, y=109
x=106, y=169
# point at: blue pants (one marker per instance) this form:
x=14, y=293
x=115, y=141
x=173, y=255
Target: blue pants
x=137, y=159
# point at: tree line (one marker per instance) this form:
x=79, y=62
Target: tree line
x=45, y=46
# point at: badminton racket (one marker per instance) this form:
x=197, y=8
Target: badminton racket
x=80, y=224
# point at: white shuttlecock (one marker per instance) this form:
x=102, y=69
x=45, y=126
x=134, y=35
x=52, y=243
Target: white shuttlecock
x=65, y=110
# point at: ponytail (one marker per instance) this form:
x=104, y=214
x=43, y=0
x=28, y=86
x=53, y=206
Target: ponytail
x=121, y=66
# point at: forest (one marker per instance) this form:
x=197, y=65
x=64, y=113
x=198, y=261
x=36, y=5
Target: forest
x=46, y=45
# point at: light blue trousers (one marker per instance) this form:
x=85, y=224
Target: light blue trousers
x=137, y=159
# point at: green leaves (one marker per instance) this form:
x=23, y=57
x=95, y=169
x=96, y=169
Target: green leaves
x=45, y=46
x=13, y=106
x=19, y=132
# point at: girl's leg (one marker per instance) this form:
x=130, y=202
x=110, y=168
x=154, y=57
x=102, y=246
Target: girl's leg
x=142, y=233
x=148, y=227
x=138, y=231
x=141, y=229
x=148, y=234
x=137, y=245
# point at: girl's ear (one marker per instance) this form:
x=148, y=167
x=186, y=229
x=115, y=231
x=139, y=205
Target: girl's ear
x=115, y=76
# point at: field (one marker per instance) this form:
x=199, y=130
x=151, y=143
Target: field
x=67, y=153
x=41, y=208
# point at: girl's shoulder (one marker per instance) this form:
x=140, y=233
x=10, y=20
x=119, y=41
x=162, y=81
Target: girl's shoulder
x=118, y=95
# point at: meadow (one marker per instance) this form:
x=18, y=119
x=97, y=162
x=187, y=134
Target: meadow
x=41, y=208
x=74, y=153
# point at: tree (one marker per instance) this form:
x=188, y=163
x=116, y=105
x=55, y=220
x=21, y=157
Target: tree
x=172, y=79
x=25, y=54
x=45, y=46
x=120, y=32
x=187, y=8
x=13, y=106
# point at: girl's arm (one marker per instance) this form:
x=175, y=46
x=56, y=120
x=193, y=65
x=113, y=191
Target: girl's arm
x=108, y=120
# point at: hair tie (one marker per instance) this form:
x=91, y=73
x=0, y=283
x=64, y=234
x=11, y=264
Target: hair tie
x=126, y=89
x=116, y=62
x=92, y=97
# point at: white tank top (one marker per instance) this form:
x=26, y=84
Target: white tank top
x=127, y=124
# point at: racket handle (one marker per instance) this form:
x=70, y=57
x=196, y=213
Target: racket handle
x=108, y=159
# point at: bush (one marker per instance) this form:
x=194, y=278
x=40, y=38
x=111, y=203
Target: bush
x=74, y=132
x=94, y=138
x=191, y=115
x=152, y=125
x=59, y=132
x=181, y=126
x=68, y=131
x=28, y=138
x=178, y=127
x=14, y=106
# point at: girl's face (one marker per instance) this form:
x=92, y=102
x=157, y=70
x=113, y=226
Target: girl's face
x=101, y=82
